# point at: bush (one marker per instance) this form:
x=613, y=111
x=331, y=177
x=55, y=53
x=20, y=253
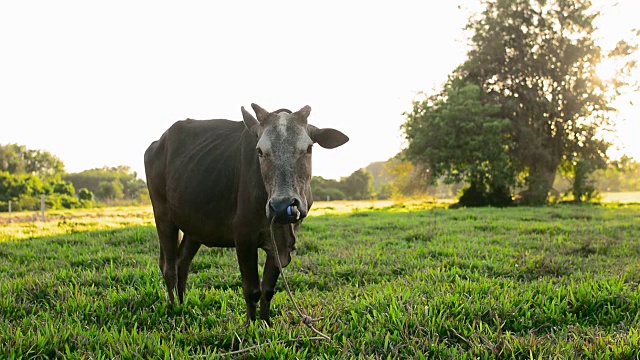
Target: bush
x=321, y=194
x=85, y=194
x=63, y=188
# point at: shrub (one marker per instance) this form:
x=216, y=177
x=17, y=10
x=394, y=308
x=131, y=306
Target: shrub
x=321, y=194
x=85, y=194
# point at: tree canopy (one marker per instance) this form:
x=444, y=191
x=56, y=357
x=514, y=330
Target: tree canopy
x=111, y=183
x=529, y=84
x=460, y=138
x=357, y=186
x=17, y=159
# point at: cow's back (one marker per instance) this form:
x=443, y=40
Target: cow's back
x=193, y=173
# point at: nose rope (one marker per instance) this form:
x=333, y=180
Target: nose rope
x=306, y=319
x=293, y=210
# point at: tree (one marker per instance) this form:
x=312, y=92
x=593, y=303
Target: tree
x=85, y=194
x=17, y=159
x=63, y=188
x=407, y=178
x=323, y=189
x=110, y=190
x=455, y=135
x=538, y=59
x=620, y=175
x=358, y=185
x=132, y=187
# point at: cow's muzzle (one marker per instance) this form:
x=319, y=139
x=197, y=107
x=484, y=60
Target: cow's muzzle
x=285, y=210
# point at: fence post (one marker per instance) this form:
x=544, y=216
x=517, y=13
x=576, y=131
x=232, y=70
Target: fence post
x=42, y=206
x=10, y=216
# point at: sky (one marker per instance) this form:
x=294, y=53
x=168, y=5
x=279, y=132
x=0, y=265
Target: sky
x=95, y=83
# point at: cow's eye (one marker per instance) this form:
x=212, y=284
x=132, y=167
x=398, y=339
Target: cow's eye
x=260, y=153
x=310, y=149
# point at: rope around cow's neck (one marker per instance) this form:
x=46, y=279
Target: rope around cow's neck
x=306, y=319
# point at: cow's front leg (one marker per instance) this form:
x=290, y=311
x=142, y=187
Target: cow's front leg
x=269, y=279
x=248, y=261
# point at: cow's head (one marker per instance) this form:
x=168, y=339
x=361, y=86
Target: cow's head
x=285, y=143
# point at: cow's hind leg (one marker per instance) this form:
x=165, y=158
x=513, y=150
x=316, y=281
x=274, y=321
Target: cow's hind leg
x=168, y=234
x=187, y=250
x=269, y=279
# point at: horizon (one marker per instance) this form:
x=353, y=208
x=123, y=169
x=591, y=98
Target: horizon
x=95, y=84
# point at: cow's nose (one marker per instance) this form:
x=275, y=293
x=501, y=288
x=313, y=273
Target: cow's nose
x=285, y=209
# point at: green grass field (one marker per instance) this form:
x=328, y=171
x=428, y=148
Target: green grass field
x=390, y=281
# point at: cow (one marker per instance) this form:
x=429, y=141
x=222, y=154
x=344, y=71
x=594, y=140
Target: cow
x=223, y=183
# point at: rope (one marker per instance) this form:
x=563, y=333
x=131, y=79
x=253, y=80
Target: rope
x=306, y=319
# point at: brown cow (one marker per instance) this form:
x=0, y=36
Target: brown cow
x=221, y=183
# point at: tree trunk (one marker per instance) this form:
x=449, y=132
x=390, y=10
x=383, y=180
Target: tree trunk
x=540, y=182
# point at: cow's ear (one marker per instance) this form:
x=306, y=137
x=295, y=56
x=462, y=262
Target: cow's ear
x=261, y=113
x=327, y=138
x=249, y=121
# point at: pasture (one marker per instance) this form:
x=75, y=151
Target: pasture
x=391, y=280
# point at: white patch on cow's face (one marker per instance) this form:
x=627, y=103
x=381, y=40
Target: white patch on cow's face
x=284, y=150
x=282, y=119
x=284, y=137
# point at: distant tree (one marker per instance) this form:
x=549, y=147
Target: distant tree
x=24, y=192
x=455, y=135
x=358, y=185
x=620, y=176
x=408, y=179
x=133, y=188
x=85, y=194
x=330, y=194
x=323, y=189
x=110, y=190
x=63, y=188
x=385, y=192
x=17, y=159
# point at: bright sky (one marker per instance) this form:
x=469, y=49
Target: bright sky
x=96, y=82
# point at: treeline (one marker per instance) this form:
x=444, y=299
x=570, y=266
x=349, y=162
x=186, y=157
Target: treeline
x=621, y=175
x=398, y=178
x=111, y=183
x=26, y=175
x=357, y=186
x=24, y=191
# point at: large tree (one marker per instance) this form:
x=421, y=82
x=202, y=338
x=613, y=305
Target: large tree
x=537, y=60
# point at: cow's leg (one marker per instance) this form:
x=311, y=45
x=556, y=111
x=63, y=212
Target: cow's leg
x=187, y=250
x=248, y=261
x=168, y=234
x=269, y=279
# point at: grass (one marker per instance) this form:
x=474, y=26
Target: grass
x=399, y=280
